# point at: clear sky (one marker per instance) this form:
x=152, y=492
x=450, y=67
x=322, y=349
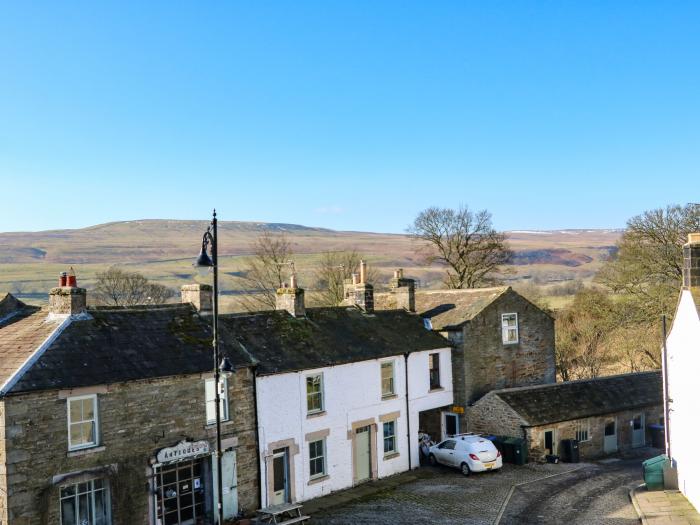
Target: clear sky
x=350, y=115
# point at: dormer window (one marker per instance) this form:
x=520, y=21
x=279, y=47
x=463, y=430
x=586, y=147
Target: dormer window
x=509, y=329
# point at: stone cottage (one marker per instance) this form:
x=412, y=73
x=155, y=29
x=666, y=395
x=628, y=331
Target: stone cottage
x=682, y=365
x=606, y=414
x=500, y=340
x=106, y=414
x=339, y=390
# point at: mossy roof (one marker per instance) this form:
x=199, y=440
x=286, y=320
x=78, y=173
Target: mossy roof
x=447, y=309
x=547, y=404
x=125, y=344
x=282, y=343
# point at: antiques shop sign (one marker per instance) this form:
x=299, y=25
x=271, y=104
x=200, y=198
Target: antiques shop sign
x=183, y=450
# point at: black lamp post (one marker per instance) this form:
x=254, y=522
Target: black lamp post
x=221, y=366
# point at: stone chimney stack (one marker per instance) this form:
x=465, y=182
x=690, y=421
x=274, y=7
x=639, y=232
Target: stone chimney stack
x=291, y=298
x=67, y=298
x=691, y=262
x=404, y=291
x=200, y=295
x=363, y=292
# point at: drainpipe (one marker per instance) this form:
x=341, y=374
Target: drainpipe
x=667, y=410
x=408, y=413
x=257, y=434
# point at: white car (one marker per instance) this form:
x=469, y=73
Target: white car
x=468, y=452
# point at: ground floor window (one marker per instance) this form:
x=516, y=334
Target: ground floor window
x=180, y=493
x=85, y=503
x=317, y=458
x=583, y=430
x=389, y=437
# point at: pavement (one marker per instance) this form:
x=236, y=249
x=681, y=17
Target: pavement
x=663, y=507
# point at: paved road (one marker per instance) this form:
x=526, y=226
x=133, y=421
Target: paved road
x=570, y=494
x=596, y=494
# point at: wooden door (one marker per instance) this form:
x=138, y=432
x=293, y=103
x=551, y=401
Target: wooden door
x=610, y=437
x=280, y=477
x=363, y=454
x=638, y=437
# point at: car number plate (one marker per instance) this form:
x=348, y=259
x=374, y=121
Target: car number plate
x=489, y=465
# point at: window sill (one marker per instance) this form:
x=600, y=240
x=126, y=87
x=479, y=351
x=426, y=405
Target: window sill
x=318, y=479
x=84, y=451
x=437, y=389
x=511, y=343
x=312, y=415
x=224, y=424
x=391, y=455
x=389, y=396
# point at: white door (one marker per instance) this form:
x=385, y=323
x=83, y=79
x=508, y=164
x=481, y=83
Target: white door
x=638, y=438
x=363, y=454
x=229, y=483
x=610, y=438
x=450, y=424
x=447, y=452
x=280, y=477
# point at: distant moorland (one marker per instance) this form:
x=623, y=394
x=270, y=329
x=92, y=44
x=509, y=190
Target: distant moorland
x=163, y=250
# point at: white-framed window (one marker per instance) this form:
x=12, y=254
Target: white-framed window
x=434, y=366
x=210, y=395
x=314, y=393
x=86, y=503
x=317, y=458
x=82, y=422
x=387, y=369
x=509, y=328
x=389, y=429
x=583, y=430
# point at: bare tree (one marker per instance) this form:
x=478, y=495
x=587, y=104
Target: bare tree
x=465, y=242
x=266, y=271
x=333, y=269
x=117, y=287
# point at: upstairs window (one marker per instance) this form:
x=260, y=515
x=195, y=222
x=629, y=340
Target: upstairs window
x=210, y=393
x=509, y=327
x=434, y=363
x=314, y=393
x=82, y=422
x=388, y=379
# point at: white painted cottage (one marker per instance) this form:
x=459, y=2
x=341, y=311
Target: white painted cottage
x=683, y=367
x=339, y=392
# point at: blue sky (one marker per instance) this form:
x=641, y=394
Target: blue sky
x=350, y=115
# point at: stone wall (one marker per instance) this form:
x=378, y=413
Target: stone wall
x=491, y=415
x=136, y=420
x=489, y=364
x=593, y=447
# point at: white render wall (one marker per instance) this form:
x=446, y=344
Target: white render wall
x=683, y=346
x=352, y=393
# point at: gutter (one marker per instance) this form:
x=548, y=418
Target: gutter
x=257, y=432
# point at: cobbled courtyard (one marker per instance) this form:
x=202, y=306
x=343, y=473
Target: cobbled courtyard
x=582, y=493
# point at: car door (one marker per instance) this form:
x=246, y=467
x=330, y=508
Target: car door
x=446, y=451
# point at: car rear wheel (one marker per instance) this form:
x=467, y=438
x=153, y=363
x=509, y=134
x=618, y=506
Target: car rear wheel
x=465, y=469
x=433, y=460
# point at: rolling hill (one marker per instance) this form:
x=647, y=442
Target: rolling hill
x=164, y=249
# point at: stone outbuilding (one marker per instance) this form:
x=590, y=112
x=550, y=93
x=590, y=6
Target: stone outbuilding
x=499, y=338
x=606, y=414
x=107, y=415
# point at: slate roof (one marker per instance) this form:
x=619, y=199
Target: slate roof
x=327, y=336
x=546, y=404
x=447, y=308
x=22, y=330
x=122, y=344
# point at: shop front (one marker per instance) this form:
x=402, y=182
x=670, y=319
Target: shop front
x=184, y=490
